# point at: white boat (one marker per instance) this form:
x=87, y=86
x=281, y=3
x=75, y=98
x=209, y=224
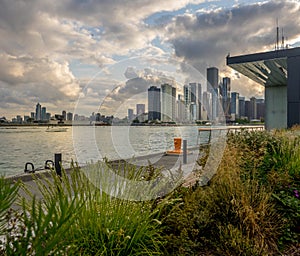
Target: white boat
x=56, y=129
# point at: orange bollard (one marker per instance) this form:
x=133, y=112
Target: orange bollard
x=177, y=147
x=177, y=144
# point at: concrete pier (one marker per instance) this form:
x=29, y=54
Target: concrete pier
x=278, y=72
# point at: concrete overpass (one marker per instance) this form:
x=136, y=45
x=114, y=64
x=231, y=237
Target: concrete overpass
x=279, y=72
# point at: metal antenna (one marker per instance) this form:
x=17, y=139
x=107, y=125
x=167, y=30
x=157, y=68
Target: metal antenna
x=282, y=40
x=277, y=35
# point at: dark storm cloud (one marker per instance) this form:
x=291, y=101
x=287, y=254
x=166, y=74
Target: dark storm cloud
x=206, y=38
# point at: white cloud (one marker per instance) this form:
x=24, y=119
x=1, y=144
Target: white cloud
x=42, y=38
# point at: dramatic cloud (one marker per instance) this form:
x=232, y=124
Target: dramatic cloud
x=50, y=49
x=205, y=38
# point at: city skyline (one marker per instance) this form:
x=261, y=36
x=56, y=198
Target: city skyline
x=167, y=104
x=51, y=52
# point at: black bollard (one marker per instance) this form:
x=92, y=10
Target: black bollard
x=184, y=147
x=57, y=164
x=26, y=170
x=48, y=166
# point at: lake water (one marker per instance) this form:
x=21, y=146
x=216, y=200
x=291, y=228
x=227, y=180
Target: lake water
x=83, y=144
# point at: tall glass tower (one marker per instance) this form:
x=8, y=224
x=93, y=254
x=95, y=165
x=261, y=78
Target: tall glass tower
x=154, y=105
x=168, y=102
x=38, y=112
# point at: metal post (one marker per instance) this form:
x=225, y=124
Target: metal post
x=184, y=151
x=57, y=163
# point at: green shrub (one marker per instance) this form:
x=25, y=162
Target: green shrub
x=74, y=217
x=8, y=194
x=234, y=215
x=40, y=226
x=110, y=226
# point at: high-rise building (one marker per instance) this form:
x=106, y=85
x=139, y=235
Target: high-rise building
x=38, y=112
x=193, y=111
x=212, y=76
x=43, y=115
x=212, y=87
x=19, y=119
x=140, y=109
x=168, y=102
x=253, y=108
x=191, y=98
x=206, y=106
x=225, y=95
x=26, y=118
x=69, y=116
x=193, y=89
x=180, y=114
x=247, y=109
x=48, y=116
x=130, y=114
x=187, y=102
x=260, y=104
x=199, y=99
x=32, y=115
x=242, y=110
x=154, y=105
x=187, y=95
x=234, y=105
x=64, y=115
x=194, y=101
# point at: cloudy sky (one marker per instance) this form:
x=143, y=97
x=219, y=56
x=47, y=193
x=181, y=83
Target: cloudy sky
x=52, y=51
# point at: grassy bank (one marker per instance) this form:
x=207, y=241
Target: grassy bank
x=250, y=207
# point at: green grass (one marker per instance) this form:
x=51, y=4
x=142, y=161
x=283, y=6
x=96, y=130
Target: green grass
x=250, y=207
x=75, y=217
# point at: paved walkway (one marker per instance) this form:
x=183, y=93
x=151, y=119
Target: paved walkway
x=159, y=160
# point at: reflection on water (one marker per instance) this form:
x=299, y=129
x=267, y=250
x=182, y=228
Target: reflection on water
x=32, y=144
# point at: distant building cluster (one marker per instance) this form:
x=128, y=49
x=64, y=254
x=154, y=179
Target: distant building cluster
x=217, y=102
x=40, y=115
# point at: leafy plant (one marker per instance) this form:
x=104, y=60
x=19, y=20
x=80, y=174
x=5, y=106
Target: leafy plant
x=41, y=227
x=107, y=225
x=8, y=194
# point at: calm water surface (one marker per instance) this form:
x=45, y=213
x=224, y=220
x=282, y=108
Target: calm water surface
x=19, y=145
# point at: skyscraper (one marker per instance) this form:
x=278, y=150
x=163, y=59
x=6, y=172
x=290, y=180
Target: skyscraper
x=253, y=108
x=180, y=114
x=193, y=89
x=64, y=115
x=38, y=112
x=225, y=94
x=69, y=116
x=206, y=106
x=212, y=76
x=187, y=95
x=140, y=109
x=130, y=114
x=260, y=105
x=154, y=105
x=234, y=104
x=212, y=87
x=242, y=110
x=43, y=115
x=247, y=109
x=187, y=102
x=199, y=99
x=168, y=102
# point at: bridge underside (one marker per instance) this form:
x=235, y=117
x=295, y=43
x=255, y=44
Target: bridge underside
x=279, y=72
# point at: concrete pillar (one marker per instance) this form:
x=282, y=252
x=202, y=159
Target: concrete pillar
x=276, y=107
x=293, y=91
